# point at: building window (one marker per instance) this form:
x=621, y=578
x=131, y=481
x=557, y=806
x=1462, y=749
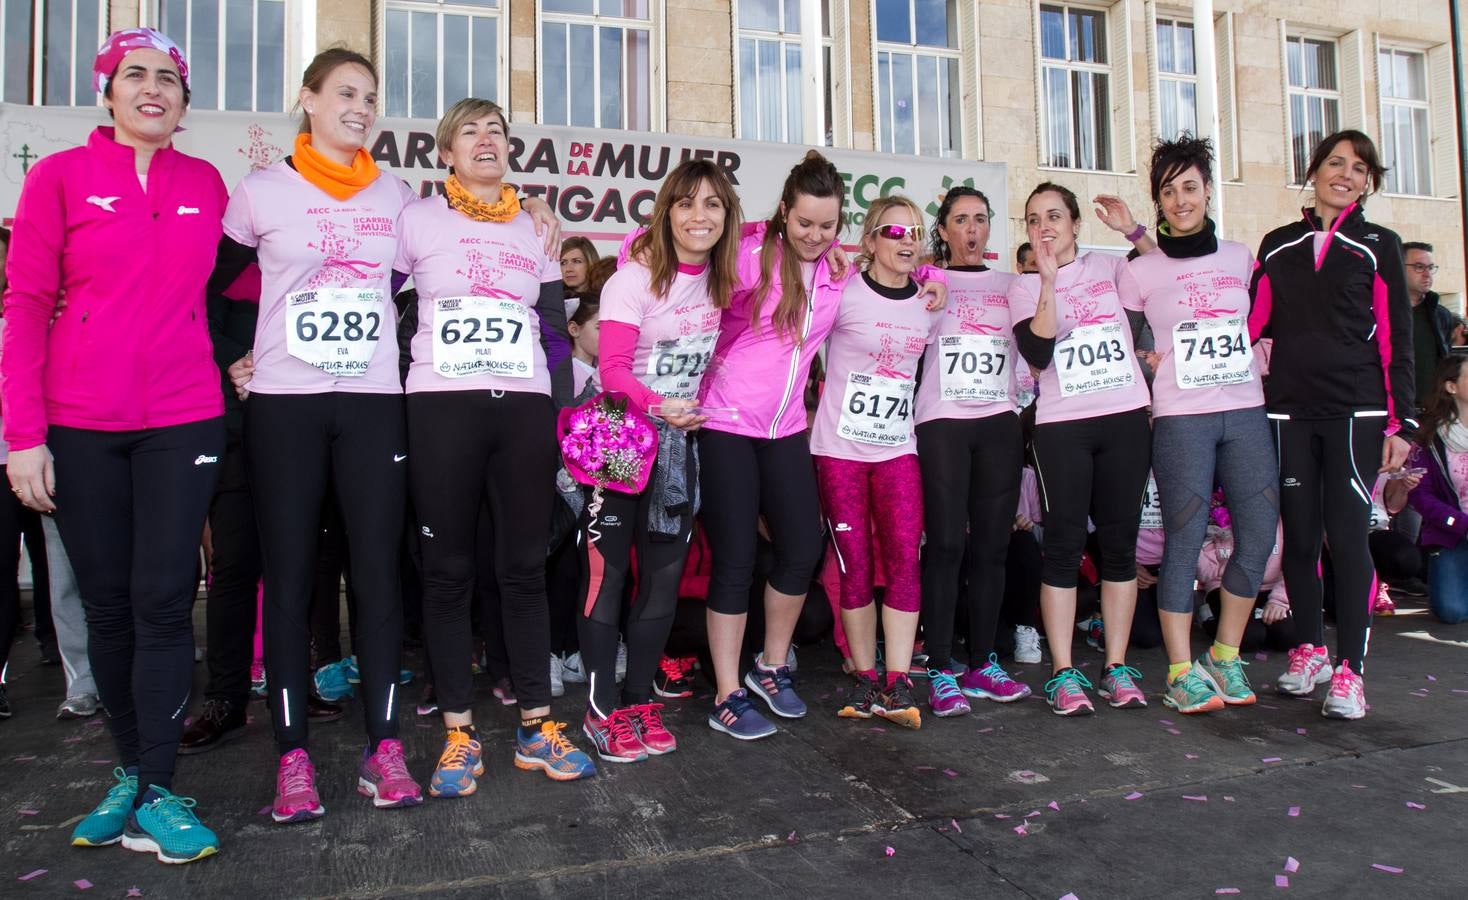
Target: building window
x=769, y=71
x=1314, y=98
x=438, y=53
x=1401, y=76
x=918, y=89
x=70, y=33
x=1076, y=78
x=1177, y=79
x=235, y=49
x=596, y=63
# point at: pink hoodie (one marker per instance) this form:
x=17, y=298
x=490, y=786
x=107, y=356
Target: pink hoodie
x=132, y=350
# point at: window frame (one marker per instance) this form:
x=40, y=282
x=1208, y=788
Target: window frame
x=1173, y=80
x=1338, y=95
x=151, y=14
x=1109, y=161
x=1429, y=188
x=439, y=9
x=956, y=128
x=827, y=43
x=657, y=70
x=36, y=92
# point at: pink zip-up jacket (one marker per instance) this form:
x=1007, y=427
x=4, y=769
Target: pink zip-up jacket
x=762, y=371
x=132, y=349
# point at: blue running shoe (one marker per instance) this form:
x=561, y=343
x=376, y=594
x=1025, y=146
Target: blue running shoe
x=777, y=688
x=459, y=767
x=334, y=681
x=104, y=825
x=738, y=718
x=549, y=750
x=165, y=825
x=349, y=668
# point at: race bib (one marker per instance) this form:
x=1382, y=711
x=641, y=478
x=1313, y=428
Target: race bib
x=1211, y=353
x=334, y=329
x=974, y=367
x=876, y=410
x=1151, y=505
x=675, y=367
x=1093, y=358
x=482, y=336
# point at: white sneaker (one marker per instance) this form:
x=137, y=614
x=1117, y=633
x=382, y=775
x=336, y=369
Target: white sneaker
x=621, y=661
x=1307, y=670
x=1026, y=644
x=759, y=658
x=573, y=670
x=558, y=682
x=1347, y=696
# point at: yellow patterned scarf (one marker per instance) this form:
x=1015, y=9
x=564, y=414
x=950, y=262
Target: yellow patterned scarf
x=463, y=201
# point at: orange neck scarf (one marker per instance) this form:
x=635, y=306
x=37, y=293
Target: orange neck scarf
x=341, y=182
x=461, y=200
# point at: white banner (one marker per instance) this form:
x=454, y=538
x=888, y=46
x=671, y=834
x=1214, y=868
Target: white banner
x=599, y=181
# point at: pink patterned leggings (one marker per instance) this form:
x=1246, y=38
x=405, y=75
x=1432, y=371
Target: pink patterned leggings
x=869, y=508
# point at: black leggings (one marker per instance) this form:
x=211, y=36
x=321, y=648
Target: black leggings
x=233, y=583
x=1096, y=467
x=130, y=507
x=744, y=478
x=606, y=553
x=468, y=445
x=17, y=521
x=299, y=447
x=1325, y=496
x=971, y=474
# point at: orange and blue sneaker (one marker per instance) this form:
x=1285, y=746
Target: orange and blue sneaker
x=548, y=750
x=384, y=777
x=614, y=737
x=1067, y=693
x=460, y=763
x=647, y=718
x=296, y=799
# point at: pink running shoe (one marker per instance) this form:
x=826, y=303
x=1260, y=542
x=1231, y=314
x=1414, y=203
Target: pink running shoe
x=992, y=683
x=614, y=737
x=1066, y=693
x=647, y=718
x=384, y=777
x=295, y=790
x=944, y=695
x=1119, y=685
x=1309, y=666
x=1384, y=605
x=1347, y=696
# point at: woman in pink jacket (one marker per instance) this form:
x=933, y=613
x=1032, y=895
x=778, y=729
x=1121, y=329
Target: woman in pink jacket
x=114, y=414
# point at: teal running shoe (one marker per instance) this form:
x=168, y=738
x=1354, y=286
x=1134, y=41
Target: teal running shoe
x=104, y=825
x=165, y=825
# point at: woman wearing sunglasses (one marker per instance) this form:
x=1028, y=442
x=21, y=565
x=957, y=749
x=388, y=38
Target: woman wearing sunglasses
x=1092, y=438
x=866, y=457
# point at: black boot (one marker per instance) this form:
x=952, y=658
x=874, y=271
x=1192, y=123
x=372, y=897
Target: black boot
x=219, y=721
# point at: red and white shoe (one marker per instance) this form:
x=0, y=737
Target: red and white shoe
x=615, y=737
x=647, y=718
x=1347, y=696
x=1309, y=667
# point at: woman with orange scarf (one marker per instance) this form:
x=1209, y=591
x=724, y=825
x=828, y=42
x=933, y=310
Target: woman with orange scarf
x=481, y=428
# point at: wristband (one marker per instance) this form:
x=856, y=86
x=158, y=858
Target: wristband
x=1137, y=233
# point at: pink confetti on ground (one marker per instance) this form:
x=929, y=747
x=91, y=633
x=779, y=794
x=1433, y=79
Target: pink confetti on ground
x=1164, y=721
x=1190, y=756
x=1053, y=805
x=950, y=773
x=1432, y=678
x=1382, y=867
x=1227, y=798
x=985, y=730
x=1134, y=795
x=262, y=811
x=1359, y=787
x=925, y=768
x=1459, y=691
x=95, y=723
x=790, y=838
x=1411, y=805
x=1173, y=731
x=1032, y=813
x=953, y=823
x=1270, y=759
x=36, y=874
x=1001, y=816
x=1261, y=656
x=1021, y=830
x=879, y=729
x=24, y=758
x=28, y=812
x=73, y=740
x=134, y=892
x=1300, y=731
x=1070, y=897
x=1226, y=891
x=1282, y=881
x=83, y=884
x=889, y=851
x=1294, y=812
x=1200, y=798
x=1291, y=865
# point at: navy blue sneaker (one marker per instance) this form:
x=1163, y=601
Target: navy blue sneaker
x=777, y=688
x=738, y=718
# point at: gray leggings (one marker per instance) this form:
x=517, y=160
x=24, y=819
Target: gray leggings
x=1188, y=452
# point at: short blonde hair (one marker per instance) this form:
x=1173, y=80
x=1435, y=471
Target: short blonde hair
x=466, y=110
x=879, y=208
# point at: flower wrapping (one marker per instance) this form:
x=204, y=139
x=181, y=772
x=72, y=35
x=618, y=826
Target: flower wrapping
x=606, y=444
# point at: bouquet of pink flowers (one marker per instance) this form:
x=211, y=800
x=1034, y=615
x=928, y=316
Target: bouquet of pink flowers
x=606, y=445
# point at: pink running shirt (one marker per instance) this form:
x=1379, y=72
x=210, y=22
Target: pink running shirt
x=973, y=356
x=675, y=334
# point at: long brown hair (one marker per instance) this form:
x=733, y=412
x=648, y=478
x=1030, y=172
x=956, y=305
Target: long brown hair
x=655, y=249
x=1441, y=407
x=813, y=176
x=326, y=62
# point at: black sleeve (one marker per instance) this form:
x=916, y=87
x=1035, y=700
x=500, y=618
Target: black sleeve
x=230, y=259
x=227, y=350
x=555, y=340
x=1037, y=351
